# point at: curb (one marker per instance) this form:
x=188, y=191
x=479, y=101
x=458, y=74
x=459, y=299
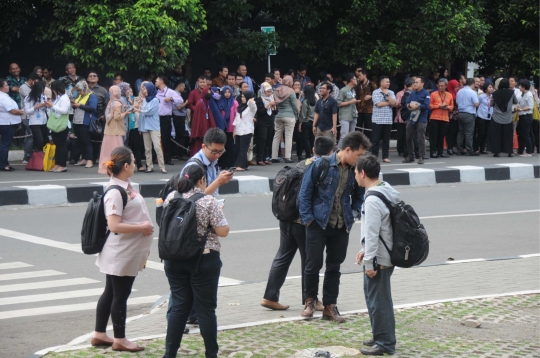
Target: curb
x=251, y=184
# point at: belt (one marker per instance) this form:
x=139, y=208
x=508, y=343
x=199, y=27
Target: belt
x=382, y=267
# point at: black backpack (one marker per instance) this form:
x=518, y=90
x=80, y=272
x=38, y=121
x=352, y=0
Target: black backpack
x=170, y=186
x=404, y=111
x=178, y=238
x=94, y=230
x=286, y=189
x=411, y=244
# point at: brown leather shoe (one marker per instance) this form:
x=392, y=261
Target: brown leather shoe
x=319, y=306
x=369, y=342
x=309, y=308
x=98, y=342
x=331, y=313
x=273, y=305
x=120, y=348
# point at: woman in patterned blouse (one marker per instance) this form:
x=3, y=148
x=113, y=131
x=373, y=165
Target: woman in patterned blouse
x=193, y=285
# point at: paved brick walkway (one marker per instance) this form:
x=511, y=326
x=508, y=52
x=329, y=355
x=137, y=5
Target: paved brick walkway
x=240, y=305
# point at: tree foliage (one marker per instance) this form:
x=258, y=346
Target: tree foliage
x=143, y=34
x=16, y=15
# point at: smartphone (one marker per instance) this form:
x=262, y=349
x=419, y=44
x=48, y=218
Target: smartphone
x=221, y=202
x=232, y=169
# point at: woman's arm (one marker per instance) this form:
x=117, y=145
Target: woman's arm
x=62, y=106
x=222, y=231
x=91, y=105
x=29, y=108
x=116, y=226
x=151, y=107
x=294, y=105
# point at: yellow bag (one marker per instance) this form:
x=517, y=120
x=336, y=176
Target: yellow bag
x=516, y=116
x=49, y=157
x=536, y=112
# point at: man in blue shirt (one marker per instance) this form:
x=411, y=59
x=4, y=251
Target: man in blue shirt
x=418, y=103
x=467, y=102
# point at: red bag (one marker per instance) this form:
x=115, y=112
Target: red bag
x=36, y=161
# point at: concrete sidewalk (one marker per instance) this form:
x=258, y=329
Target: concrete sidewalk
x=239, y=306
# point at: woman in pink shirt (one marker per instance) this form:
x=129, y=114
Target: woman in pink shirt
x=125, y=252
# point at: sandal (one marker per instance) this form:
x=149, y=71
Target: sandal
x=163, y=171
x=149, y=171
x=386, y=160
x=8, y=169
x=240, y=170
x=141, y=169
x=261, y=163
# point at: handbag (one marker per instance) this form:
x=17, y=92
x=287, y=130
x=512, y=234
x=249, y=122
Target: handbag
x=49, y=157
x=536, y=113
x=58, y=124
x=36, y=161
x=95, y=126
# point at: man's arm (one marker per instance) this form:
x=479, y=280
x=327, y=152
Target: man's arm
x=306, y=193
x=372, y=220
x=357, y=199
x=424, y=104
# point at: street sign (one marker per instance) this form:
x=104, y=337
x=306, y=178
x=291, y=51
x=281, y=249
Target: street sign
x=269, y=29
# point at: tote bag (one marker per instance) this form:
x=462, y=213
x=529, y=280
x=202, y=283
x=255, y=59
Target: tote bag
x=36, y=161
x=58, y=123
x=49, y=157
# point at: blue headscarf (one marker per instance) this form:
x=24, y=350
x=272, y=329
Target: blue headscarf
x=226, y=104
x=214, y=107
x=152, y=91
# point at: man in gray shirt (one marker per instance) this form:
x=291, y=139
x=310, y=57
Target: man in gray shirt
x=24, y=91
x=347, y=101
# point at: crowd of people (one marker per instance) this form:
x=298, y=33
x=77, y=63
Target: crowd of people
x=161, y=118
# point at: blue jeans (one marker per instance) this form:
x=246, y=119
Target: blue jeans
x=381, y=309
x=189, y=287
x=6, y=137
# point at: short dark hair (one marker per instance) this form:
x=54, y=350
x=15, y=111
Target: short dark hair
x=58, y=87
x=2, y=81
x=233, y=74
x=469, y=82
x=276, y=69
x=355, y=140
x=270, y=74
x=323, y=145
x=48, y=68
x=485, y=86
x=302, y=68
x=328, y=86
x=215, y=135
x=383, y=78
x=347, y=77
x=33, y=76
x=516, y=79
x=370, y=165
x=525, y=84
x=206, y=69
x=222, y=67
x=457, y=75
x=363, y=70
x=92, y=71
x=201, y=77
x=163, y=78
x=421, y=78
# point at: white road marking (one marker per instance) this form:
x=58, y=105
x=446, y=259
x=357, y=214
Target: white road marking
x=531, y=255
x=69, y=308
x=390, y=165
x=46, y=180
x=481, y=214
x=31, y=274
x=12, y=265
x=46, y=284
x=38, y=240
x=51, y=296
x=254, y=230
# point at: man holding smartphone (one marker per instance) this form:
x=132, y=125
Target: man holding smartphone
x=167, y=97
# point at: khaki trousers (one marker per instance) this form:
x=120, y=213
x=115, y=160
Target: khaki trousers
x=284, y=124
x=155, y=138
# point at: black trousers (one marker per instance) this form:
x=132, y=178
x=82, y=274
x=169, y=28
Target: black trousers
x=307, y=138
x=165, y=128
x=84, y=143
x=437, y=131
x=113, y=303
x=335, y=241
x=242, y=147
x=481, y=129
x=365, y=124
x=40, y=133
x=524, y=134
x=263, y=137
x=181, y=134
x=292, y=238
x=60, y=140
x=401, y=145
x=381, y=131
x=536, y=132
x=136, y=144
x=501, y=137
x=229, y=157
x=451, y=138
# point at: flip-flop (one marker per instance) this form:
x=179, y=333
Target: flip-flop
x=8, y=169
x=149, y=171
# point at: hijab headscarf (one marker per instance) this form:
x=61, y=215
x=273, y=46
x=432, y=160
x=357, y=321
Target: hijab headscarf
x=82, y=87
x=226, y=104
x=214, y=107
x=124, y=87
x=502, y=96
x=243, y=106
x=114, y=94
x=265, y=86
x=152, y=91
x=285, y=90
x=200, y=122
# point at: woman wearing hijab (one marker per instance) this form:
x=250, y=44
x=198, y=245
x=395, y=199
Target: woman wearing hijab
x=149, y=127
x=227, y=106
x=244, y=128
x=501, y=130
x=305, y=127
x=115, y=128
x=286, y=117
x=202, y=119
x=85, y=106
x=135, y=137
x=266, y=113
x=125, y=96
x=214, y=107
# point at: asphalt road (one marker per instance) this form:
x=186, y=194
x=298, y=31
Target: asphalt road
x=47, y=239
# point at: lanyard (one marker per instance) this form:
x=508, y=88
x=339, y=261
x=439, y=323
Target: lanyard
x=205, y=107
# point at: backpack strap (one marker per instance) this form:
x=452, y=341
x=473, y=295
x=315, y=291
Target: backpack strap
x=388, y=204
x=122, y=193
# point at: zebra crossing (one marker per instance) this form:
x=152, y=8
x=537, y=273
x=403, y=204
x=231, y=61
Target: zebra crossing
x=22, y=284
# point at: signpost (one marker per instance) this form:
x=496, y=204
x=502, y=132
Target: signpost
x=269, y=29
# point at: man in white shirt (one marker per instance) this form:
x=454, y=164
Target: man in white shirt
x=24, y=91
x=10, y=119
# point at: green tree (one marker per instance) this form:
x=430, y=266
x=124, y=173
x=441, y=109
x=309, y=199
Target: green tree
x=117, y=35
x=16, y=14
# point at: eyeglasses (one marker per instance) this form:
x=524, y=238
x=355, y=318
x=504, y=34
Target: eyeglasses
x=92, y=75
x=216, y=152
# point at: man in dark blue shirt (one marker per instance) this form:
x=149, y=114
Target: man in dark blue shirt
x=418, y=103
x=325, y=119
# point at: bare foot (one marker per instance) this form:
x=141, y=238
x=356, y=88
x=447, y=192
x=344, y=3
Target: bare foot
x=126, y=343
x=103, y=337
